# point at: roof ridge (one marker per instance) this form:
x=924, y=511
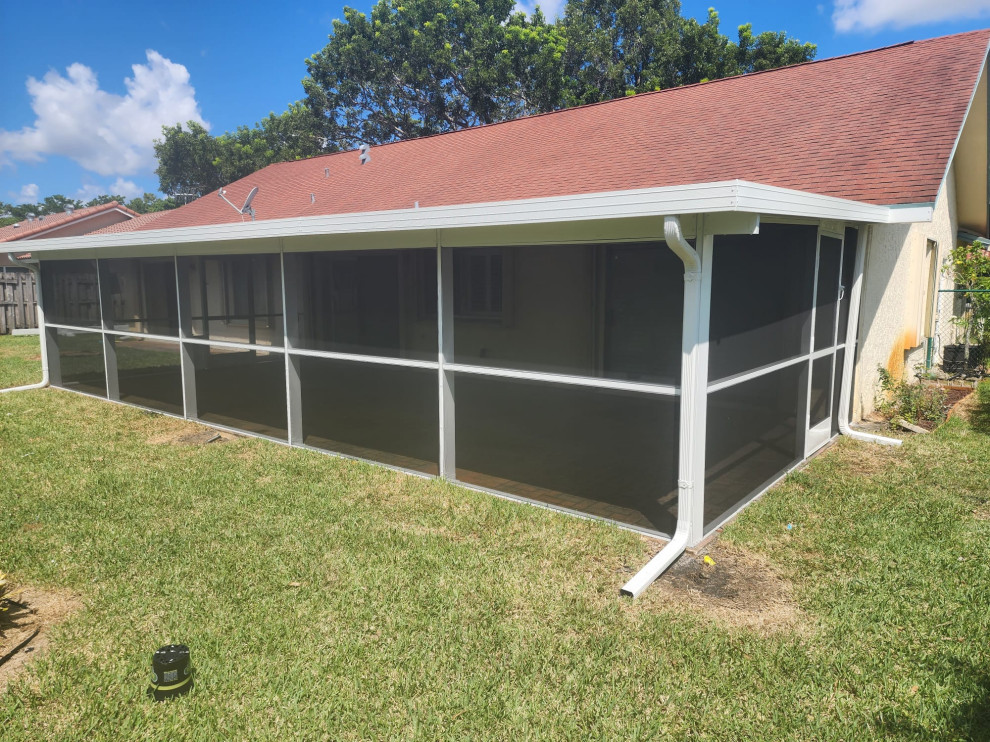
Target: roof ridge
x=745, y=75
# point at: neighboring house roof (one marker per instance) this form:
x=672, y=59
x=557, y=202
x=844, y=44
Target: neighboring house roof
x=138, y=222
x=53, y=222
x=877, y=127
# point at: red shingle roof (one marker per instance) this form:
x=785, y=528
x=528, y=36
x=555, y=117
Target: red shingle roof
x=24, y=228
x=138, y=222
x=876, y=126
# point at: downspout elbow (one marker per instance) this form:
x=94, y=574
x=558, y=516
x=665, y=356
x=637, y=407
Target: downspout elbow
x=45, y=380
x=683, y=534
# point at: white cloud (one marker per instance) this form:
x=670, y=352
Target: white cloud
x=120, y=187
x=551, y=8
x=872, y=15
x=27, y=195
x=106, y=133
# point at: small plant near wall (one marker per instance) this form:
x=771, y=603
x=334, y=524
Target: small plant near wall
x=915, y=402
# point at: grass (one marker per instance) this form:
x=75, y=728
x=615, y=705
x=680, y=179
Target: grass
x=324, y=598
x=20, y=360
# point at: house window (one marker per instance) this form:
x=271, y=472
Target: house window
x=478, y=284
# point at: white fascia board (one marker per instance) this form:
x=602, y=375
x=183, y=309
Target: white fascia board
x=701, y=198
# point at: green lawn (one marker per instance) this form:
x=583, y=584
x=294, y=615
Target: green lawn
x=327, y=599
x=20, y=360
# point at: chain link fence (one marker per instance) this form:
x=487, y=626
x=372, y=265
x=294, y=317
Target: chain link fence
x=957, y=345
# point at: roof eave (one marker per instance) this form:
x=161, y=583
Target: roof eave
x=700, y=198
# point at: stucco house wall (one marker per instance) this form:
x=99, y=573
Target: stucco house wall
x=896, y=293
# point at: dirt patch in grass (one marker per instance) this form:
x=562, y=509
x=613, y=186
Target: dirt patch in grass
x=733, y=587
x=963, y=406
x=870, y=460
x=191, y=435
x=32, y=617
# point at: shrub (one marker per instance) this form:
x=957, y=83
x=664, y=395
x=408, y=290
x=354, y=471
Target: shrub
x=915, y=402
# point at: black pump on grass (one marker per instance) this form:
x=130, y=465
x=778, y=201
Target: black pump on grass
x=171, y=672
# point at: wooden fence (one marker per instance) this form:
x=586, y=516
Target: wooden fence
x=18, y=300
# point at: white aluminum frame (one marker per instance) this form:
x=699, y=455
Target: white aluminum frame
x=446, y=372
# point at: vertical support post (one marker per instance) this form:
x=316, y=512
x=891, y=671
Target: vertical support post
x=104, y=301
x=46, y=342
x=204, y=296
x=290, y=328
x=49, y=348
x=184, y=299
x=252, y=324
x=445, y=339
x=110, y=362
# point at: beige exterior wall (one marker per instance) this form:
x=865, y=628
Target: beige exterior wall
x=897, y=291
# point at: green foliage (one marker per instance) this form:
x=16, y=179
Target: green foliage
x=914, y=402
x=58, y=203
x=969, y=268
x=50, y=205
x=191, y=161
x=419, y=67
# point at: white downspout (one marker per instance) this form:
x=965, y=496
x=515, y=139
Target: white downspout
x=849, y=360
x=36, y=269
x=689, y=386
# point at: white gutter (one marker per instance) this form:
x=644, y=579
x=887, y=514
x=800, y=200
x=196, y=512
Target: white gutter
x=34, y=268
x=698, y=198
x=689, y=385
x=849, y=360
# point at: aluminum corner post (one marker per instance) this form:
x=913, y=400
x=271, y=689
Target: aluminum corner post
x=849, y=360
x=690, y=473
x=35, y=268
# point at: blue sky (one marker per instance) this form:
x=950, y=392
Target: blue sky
x=86, y=86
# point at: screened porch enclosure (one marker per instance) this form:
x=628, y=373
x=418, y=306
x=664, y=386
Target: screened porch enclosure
x=553, y=367
x=547, y=372
x=777, y=334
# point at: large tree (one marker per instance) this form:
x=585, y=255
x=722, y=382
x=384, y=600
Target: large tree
x=623, y=47
x=419, y=67
x=192, y=162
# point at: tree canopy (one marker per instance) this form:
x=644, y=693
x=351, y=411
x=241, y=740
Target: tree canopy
x=56, y=204
x=192, y=162
x=418, y=67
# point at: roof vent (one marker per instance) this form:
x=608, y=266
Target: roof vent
x=326, y=172
x=312, y=198
x=69, y=209
x=30, y=217
x=365, y=157
x=17, y=225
